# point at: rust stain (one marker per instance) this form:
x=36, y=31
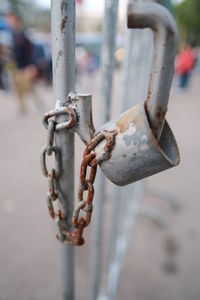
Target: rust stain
x=149, y=93
x=91, y=125
x=160, y=113
x=124, y=122
x=63, y=23
x=159, y=118
x=137, y=119
x=110, y=140
x=94, y=162
x=155, y=34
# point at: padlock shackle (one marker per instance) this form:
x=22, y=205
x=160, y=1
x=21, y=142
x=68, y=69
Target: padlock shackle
x=159, y=19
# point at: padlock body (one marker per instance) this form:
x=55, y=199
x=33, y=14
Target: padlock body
x=137, y=154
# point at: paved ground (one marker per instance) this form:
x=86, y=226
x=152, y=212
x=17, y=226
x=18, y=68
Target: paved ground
x=162, y=264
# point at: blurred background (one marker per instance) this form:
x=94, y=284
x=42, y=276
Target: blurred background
x=162, y=258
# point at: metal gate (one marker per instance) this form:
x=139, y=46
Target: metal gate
x=73, y=110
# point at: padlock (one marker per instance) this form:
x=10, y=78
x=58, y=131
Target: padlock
x=144, y=142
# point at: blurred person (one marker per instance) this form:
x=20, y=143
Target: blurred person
x=4, y=52
x=185, y=63
x=22, y=46
x=5, y=46
x=25, y=55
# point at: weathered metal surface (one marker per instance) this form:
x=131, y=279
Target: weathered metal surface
x=159, y=19
x=144, y=143
x=63, y=27
x=137, y=154
x=127, y=148
x=82, y=104
x=78, y=112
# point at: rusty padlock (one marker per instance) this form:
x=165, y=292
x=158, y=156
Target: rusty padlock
x=144, y=142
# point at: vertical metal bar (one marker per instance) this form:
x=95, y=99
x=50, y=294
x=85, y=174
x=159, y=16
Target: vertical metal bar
x=63, y=55
x=127, y=223
x=115, y=224
x=106, y=80
x=135, y=73
x=120, y=194
x=138, y=53
x=107, y=57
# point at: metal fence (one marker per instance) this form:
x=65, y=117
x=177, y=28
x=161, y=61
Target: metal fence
x=105, y=269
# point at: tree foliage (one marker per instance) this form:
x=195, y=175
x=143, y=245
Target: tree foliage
x=188, y=19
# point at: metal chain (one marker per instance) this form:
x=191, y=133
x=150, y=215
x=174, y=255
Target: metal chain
x=54, y=173
x=86, y=184
x=86, y=206
x=90, y=160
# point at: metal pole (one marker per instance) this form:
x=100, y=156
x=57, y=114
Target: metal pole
x=107, y=57
x=135, y=75
x=131, y=212
x=106, y=80
x=63, y=55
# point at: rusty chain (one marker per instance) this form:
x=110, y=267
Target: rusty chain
x=89, y=160
x=53, y=194
x=83, y=208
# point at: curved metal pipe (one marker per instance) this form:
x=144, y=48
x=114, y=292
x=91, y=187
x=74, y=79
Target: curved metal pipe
x=159, y=19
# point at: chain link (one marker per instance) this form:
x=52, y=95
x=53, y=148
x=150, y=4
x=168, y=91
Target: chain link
x=57, y=112
x=87, y=185
x=83, y=208
x=50, y=137
x=57, y=160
